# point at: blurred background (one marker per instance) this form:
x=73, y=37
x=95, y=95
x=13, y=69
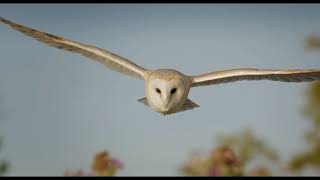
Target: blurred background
x=62, y=114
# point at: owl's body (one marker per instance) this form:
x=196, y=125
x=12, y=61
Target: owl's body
x=166, y=90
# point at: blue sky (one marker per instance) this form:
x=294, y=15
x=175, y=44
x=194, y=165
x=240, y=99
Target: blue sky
x=59, y=108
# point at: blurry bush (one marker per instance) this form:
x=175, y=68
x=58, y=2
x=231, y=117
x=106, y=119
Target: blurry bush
x=231, y=157
x=3, y=164
x=248, y=146
x=102, y=165
x=311, y=157
x=312, y=42
x=222, y=161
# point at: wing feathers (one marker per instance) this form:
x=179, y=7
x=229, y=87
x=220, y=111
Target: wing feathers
x=109, y=59
x=226, y=76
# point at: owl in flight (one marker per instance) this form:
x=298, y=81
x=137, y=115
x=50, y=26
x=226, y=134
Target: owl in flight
x=166, y=90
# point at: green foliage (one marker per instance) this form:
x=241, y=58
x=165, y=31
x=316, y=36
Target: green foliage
x=3, y=164
x=311, y=157
x=312, y=43
x=3, y=167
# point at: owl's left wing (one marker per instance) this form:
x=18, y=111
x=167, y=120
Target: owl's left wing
x=232, y=75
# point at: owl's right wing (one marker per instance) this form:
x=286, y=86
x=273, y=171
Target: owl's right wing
x=232, y=75
x=109, y=59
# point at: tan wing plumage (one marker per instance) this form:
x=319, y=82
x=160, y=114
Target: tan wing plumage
x=285, y=75
x=111, y=60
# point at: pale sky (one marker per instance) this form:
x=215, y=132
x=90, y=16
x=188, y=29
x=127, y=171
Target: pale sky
x=58, y=108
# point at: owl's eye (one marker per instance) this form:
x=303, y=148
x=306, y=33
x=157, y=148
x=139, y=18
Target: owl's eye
x=158, y=90
x=173, y=90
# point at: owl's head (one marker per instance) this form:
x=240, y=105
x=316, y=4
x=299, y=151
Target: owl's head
x=166, y=90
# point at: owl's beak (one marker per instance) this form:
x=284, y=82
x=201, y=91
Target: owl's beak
x=165, y=100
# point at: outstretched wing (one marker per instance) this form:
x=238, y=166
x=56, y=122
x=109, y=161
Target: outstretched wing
x=109, y=59
x=285, y=75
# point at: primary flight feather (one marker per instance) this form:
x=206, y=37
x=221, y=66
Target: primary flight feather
x=166, y=89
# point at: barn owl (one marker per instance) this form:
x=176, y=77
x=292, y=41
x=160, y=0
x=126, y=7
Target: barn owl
x=166, y=90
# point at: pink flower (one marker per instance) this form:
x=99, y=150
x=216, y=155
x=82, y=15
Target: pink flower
x=118, y=163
